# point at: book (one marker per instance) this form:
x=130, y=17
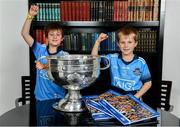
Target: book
x=97, y=114
x=97, y=111
x=93, y=102
x=128, y=109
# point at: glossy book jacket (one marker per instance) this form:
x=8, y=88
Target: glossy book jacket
x=97, y=111
x=128, y=109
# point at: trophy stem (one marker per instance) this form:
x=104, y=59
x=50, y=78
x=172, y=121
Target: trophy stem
x=73, y=94
x=71, y=103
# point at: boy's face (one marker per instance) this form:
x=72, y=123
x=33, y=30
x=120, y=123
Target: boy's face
x=55, y=37
x=127, y=44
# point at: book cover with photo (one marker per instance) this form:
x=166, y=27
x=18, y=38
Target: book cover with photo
x=128, y=109
x=94, y=102
x=98, y=112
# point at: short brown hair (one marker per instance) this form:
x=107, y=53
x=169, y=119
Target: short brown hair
x=53, y=26
x=127, y=31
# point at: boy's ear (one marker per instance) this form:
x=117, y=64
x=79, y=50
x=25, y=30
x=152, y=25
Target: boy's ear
x=136, y=43
x=62, y=39
x=118, y=44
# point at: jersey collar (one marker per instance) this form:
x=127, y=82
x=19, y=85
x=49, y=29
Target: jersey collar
x=58, y=49
x=127, y=62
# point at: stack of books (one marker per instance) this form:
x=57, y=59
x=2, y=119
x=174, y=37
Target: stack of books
x=125, y=108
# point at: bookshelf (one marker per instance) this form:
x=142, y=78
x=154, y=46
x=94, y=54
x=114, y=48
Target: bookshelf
x=83, y=20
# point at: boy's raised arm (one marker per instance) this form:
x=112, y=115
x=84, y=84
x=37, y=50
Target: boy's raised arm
x=25, y=32
x=101, y=38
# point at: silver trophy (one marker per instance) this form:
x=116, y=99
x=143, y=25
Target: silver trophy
x=73, y=72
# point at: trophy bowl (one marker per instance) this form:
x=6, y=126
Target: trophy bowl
x=73, y=72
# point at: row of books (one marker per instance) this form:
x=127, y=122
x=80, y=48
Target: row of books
x=127, y=109
x=48, y=12
x=143, y=10
x=147, y=41
x=118, y=10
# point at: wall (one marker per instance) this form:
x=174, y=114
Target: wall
x=14, y=53
x=171, y=57
x=14, y=60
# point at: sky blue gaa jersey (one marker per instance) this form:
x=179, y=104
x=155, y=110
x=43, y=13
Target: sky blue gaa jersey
x=128, y=76
x=45, y=88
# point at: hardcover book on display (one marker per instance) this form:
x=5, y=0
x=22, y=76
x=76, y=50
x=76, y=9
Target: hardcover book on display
x=97, y=111
x=94, y=101
x=128, y=109
x=97, y=114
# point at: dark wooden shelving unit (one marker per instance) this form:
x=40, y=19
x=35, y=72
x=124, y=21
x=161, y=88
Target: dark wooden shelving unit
x=154, y=60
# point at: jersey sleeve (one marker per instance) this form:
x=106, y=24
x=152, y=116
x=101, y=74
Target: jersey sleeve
x=36, y=48
x=104, y=60
x=146, y=75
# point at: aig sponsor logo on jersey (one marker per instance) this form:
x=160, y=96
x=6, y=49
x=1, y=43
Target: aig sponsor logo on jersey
x=124, y=83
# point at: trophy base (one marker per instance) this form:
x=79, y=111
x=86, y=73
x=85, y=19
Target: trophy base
x=70, y=106
x=71, y=103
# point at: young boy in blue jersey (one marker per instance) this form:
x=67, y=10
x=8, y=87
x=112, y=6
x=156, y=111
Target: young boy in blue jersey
x=129, y=73
x=45, y=89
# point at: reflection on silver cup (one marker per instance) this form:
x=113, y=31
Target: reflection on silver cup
x=73, y=72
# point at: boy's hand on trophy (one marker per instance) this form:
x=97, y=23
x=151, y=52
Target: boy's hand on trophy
x=39, y=65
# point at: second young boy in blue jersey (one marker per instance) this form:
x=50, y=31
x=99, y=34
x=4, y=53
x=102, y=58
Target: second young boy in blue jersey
x=45, y=88
x=129, y=73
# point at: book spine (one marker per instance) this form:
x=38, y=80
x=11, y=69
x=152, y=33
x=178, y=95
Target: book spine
x=114, y=112
x=156, y=10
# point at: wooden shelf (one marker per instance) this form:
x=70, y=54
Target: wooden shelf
x=107, y=52
x=97, y=24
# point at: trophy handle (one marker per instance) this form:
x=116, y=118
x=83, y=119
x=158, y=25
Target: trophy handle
x=42, y=57
x=107, y=66
x=46, y=74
